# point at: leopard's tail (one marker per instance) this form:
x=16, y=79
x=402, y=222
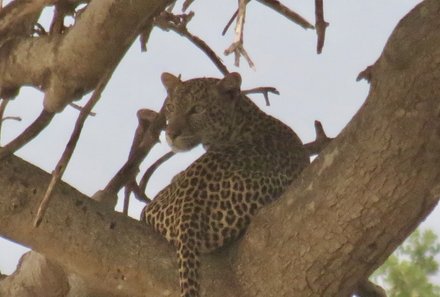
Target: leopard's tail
x=188, y=253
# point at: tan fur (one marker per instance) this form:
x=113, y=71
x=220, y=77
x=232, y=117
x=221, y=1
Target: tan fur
x=251, y=158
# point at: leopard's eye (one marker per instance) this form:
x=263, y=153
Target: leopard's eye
x=169, y=107
x=197, y=109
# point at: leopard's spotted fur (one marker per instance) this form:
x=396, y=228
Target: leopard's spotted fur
x=250, y=159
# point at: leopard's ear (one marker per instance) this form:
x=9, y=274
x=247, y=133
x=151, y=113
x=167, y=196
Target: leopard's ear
x=170, y=81
x=231, y=83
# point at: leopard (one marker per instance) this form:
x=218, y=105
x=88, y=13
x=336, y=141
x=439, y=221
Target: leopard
x=250, y=159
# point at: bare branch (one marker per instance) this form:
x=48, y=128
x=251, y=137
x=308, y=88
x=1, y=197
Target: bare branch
x=320, y=24
x=321, y=141
x=286, y=12
x=178, y=23
x=231, y=20
x=237, y=46
x=28, y=134
x=264, y=90
x=70, y=147
x=149, y=172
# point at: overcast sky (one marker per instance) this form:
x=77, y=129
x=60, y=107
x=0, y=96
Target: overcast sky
x=313, y=87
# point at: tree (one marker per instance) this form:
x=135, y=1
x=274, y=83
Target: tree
x=363, y=195
x=407, y=271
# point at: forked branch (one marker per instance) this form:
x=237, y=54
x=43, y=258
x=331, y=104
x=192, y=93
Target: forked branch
x=263, y=90
x=237, y=46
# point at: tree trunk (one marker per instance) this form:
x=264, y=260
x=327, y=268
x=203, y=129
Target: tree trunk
x=335, y=225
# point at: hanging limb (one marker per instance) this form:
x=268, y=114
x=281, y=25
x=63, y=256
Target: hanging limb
x=237, y=46
x=320, y=24
x=70, y=147
x=145, y=118
x=28, y=134
x=321, y=141
x=131, y=167
x=264, y=90
x=178, y=23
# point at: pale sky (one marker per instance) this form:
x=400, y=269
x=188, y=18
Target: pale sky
x=313, y=87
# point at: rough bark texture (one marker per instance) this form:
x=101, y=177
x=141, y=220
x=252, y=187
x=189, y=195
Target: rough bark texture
x=68, y=66
x=347, y=212
x=369, y=189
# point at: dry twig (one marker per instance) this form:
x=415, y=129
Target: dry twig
x=263, y=90
x=237, y=46
x=321, y=141
x=320, y=24
x=288, y=13
x=80, y=108
x=178, y=23
x=70, y=147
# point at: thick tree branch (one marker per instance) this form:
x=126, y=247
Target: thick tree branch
x=113, y=252
x=339, y=221
x=68, y=66
x=368, y=189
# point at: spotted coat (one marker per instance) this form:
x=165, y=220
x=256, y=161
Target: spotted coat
x=250, y=159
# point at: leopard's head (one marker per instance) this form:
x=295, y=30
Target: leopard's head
x=201, y=110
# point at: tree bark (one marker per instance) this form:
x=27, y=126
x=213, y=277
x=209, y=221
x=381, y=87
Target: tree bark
x=335, y=225
x=67, y=66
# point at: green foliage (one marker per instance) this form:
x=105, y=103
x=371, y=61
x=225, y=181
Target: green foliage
x=406, y=272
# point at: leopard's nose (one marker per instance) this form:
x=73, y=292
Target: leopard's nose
x=173, y=132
